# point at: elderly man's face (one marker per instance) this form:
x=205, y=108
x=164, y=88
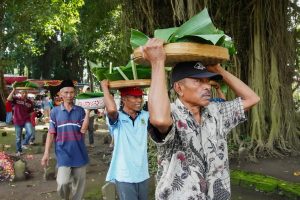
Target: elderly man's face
x=195, y=91
x=67, y=94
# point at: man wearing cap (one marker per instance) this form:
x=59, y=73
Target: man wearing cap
x=191, y=133
x=23, y=107
x=129, y=164
x=68, y=124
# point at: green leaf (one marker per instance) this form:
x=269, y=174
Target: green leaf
x=224, y=88
x=99, y=73
x=199, y=24
x=213, y=38
x=164, y=33
x=142, y=73
x=88, y=95
x=198, y=29
x=25, y=84
x=230, y=46
x=137, y=38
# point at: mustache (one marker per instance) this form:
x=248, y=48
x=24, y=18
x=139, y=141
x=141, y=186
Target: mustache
x=205, y=93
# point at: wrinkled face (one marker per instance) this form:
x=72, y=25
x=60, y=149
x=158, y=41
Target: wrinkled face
x=67, y=94
x=195, y=91
x=133, y=103
x=23, y=94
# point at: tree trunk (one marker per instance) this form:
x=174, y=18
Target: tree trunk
x=3, y=96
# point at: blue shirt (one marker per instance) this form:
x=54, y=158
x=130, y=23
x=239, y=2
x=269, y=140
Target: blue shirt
x=70, y=149
x=129, y=161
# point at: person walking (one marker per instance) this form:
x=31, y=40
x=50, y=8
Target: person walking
x=129, y=129
x=68, y=125
x=191, y=132
x=46, y=106
x=23, y=107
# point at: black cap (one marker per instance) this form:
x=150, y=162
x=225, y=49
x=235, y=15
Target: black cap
x=66, y=83
x=191, y=70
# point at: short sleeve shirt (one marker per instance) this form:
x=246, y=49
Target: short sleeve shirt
x=193, y=157
x=22, y=110
x=70, y=149
x=129, y=161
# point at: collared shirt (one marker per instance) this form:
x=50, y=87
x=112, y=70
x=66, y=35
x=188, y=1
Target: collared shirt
x=22, y=110
x=129, y=161
x=193, y=157
x=70, y=148
x=8, y=106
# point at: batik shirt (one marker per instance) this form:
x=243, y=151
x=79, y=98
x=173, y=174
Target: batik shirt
x=193, y=157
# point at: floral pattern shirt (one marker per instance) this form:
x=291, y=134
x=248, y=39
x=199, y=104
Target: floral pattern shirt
x=192, y=157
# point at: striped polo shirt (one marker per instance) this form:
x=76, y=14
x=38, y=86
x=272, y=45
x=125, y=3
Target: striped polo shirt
x=70, y=148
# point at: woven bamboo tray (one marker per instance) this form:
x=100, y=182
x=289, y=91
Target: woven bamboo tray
x=25, y=88
x=188, y=51
x=129, y=83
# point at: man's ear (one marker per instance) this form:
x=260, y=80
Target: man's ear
x=178, y=88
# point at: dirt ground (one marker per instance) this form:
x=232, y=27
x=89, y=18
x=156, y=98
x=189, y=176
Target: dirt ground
x=36, y=188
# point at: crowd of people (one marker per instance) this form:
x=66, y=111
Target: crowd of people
x=190, y=133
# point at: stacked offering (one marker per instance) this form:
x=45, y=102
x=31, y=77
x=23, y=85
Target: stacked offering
x=196, y=40
x=25, y=85
x=90, y=100
x=123, y=76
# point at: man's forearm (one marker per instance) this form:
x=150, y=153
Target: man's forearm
x=248, y=96
x=10, y=96
x=110, y=105
x=48, y=144
x=85, y=123
x=158, y=100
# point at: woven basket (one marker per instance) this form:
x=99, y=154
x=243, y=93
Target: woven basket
x=188, y=51
x=25, y=88
x=129, y=83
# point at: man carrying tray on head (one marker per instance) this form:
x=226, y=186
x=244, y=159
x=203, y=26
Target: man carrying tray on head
x=129, y=163
x=23, y=107
x=191, y=132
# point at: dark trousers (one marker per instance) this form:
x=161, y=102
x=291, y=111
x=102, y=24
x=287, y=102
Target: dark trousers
x=133, y=191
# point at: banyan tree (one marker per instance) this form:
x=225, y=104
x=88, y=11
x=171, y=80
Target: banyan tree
x=263, y=32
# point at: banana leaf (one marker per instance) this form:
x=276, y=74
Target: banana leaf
x=137, y=38
x=164, y=34
x=197, y=29
x=199, y=24
x=25, y=84
x=142, y=73
x=88, y=95
x=99, y=72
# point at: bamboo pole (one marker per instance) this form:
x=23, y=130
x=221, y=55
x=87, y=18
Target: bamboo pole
x=135, y=77
x=122, y=73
